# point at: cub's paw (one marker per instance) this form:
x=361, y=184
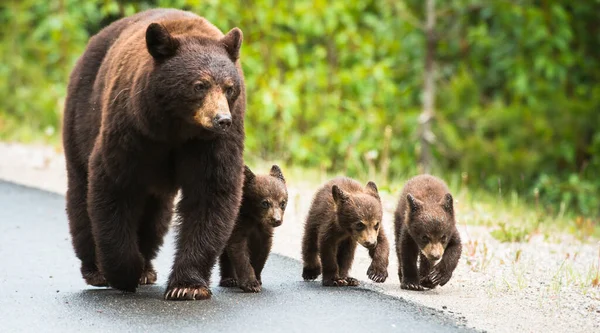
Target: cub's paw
x=377, y=274
x=188, y=294
x=436, y=277
x=352, y=282
x=252, y=286
x=148, y=277
x=95, y=278
x=335, y=282
x=411, y=285
x=309, y=274
x=228, y=282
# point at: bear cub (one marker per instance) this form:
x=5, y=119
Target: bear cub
x=264, y=200
x=342, y=214
x=426, y=233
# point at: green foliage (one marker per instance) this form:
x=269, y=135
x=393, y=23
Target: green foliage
x=518, y=100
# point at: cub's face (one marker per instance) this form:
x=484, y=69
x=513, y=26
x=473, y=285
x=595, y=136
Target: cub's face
x=195, y=78
x=431, y=225
x=265, y=197
x=360, y=214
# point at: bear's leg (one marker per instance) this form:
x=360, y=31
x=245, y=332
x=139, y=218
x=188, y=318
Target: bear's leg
x=228, y=277
x=424, y=270
x=81, y=228
x=410, y=253
x=152, y=228
x=114, y=214
x=345, y=257
x=260, y=247
x=331, y=274
x=238, y=252
x=310, y=253
x=210, y=175
x=380, y=255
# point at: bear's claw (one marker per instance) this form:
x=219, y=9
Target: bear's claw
x=411, y=286
x=228, y=282
x=376, y=274
x=335, y=282
x=148, y=277
x=352, y=282
x=183, y=294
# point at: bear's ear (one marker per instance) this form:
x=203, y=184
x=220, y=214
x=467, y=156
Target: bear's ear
x=159, y=42
x=232, y=42
x=339, y=196
x=276, y=172
x=248, y=175
x=448, y=203
x=372, y=190
x=414, y=203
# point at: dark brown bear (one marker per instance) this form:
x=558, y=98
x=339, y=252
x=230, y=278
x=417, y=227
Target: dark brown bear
x=155, y=104
x=343, y=213
x=426, y=230
x=264, y=200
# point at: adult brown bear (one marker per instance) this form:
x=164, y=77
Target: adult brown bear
x=155, y=104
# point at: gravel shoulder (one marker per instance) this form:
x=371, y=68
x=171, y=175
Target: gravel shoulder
x=535, y=286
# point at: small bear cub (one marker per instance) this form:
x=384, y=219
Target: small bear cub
x=264, y=200
x=425, y=230
x=342, y=214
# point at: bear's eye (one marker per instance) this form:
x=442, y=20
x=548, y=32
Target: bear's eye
x=377, y=226
x=282, y=204
x=201, y=87
x=425, y=238
x=265, y=204
x=360, y=226
x=444, y=238
x=229, y=91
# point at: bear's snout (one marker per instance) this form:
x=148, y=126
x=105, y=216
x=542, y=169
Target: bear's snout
x=222, y=121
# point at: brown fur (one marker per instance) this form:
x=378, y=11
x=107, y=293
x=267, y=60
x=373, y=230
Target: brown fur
x=263, y=204
x=426, y=232
x=342, y=214
x=135, y=132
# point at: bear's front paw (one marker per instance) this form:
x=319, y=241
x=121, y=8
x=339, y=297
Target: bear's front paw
x=95, y=278
x=228, y=282
x=188, y=293
x=437, y=276
x=352, y=282
x=311, y=273
x=411, y=285
x=335, y=282
x=252, y=286
x=377, y=274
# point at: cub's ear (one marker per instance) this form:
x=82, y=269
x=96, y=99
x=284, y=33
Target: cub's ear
x=339, y=196
x=414, y=203
x=276, y=172
x=232, y=42
x=248, y=175
x=159, y=42
x=448, y=203
x=372, y=189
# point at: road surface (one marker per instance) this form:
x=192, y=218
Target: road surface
x=42, y=291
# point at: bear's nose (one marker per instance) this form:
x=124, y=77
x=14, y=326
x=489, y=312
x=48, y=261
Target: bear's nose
x=370, y=245
x=223, y=121
x=276, y=222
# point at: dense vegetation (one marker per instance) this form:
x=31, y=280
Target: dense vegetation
x=337, y=85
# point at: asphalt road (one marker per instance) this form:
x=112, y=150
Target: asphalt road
x=41, y=290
